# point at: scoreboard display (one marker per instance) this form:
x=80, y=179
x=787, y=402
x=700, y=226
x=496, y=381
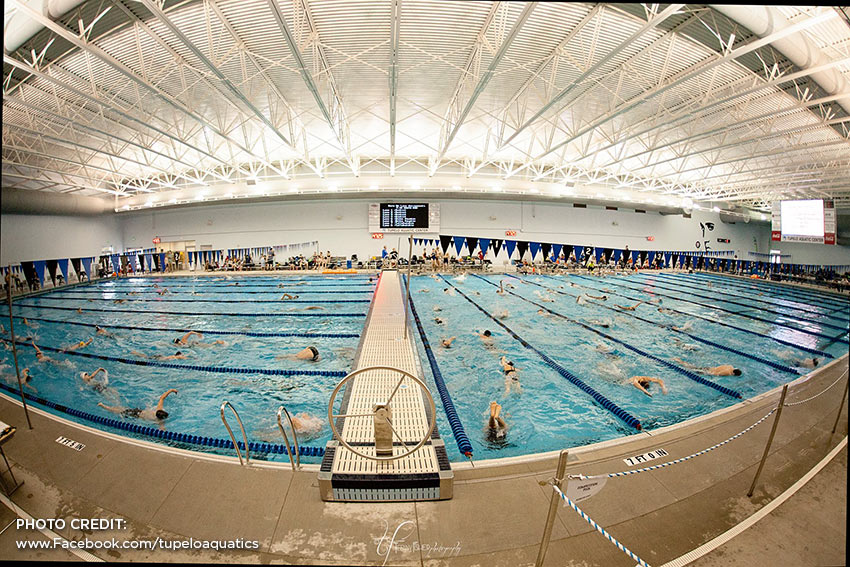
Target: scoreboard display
x=404, y=217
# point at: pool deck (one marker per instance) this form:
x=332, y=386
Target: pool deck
x=498, y=511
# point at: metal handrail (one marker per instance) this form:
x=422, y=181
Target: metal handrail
x=244, y=436
x=286, y=439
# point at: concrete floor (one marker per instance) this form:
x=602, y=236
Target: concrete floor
x=495, y=518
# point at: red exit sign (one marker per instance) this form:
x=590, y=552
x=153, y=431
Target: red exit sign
x=156, y=240
x=510, y=233
x=377, y=235
x=650, y=238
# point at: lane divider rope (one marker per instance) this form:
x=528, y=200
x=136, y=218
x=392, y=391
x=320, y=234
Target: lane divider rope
x=728, y=325
x=196, y=314
x=575, y=380
x=764, y=285
x=199, y=300
x=199, y=368
x=687, y=373
x=132, y=427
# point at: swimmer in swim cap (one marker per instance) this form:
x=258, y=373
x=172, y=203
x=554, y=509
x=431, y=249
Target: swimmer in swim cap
x=150, y=414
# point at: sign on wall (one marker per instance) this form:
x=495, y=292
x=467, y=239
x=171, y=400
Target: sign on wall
x=404, y=217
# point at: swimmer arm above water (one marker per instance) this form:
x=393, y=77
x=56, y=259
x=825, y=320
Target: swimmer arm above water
x=640, y=382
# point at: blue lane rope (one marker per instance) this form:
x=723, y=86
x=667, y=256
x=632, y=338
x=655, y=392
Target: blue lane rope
x=206, y=291
x=204, y=331
x=463, y=443
x=822, y=297
x=134, y=427
x=645, y=281
x=158, y=312
x=217, y=369
x=679, y=281
x=575, y=380
x=748, y=331
x=692, y=375
x=196, y=300
x=748, y=316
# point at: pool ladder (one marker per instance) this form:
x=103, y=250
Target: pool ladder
x=281, y=410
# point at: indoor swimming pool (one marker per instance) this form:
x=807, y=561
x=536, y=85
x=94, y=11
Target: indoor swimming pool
x=573, y=350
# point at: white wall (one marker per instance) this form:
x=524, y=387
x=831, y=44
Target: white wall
x=804, y=253
x=342, y=226
x=48, y=237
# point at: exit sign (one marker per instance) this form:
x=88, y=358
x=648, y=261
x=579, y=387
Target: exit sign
x=377, y=235
x=650, y=238
x=723, y=240
x=156, y=240
x=510, y=233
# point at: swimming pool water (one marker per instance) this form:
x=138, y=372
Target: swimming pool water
x=550, y=412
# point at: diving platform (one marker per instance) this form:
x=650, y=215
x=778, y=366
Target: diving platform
x=352, y=474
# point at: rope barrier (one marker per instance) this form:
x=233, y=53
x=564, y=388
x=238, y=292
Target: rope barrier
x=837, y=380
x=197, y=314
x=692, y=375
x=255, y=447
x=814, y=333
x=721, y=323
x=602, y=400
x=677, y=461
x=671, y=278
x=275, y=290
x=598, y=528
x=219, y=369
x=194, y=300
x=463, y=443
x=203, y=331
x=764, y=285
x=757, y=358
x=789, y=317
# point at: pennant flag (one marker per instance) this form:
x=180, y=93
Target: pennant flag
x=597, y=252
x=142, y=263
x=510, y=246
x=63, y=267
x=51, y=270
x=471, y=244
x=497, y=246
x=578, y=251
x=522, y=247
x=484, y=243
x=39, y=270
x=556, y=250
x=75, y=263
x=535, y=248
x=616, y=255
x=444, y=243
x=162, y=261
x=459, y=242
x=547, y=249
x=116, y=263
x=652, y=258
x=667, y=259
x=149, y=262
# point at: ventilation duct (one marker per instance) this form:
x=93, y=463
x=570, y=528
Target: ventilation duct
x=23, y=202
x=20, y=28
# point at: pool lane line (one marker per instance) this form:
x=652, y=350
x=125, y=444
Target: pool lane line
x=765, y=291
x=702, y=317
x=768, y=321
x=462, y=440
x=199, y=368
x=684, y=372
x=764, y=285
x=776, y=365
x=670, y=288
x=685, y=282
x=573, y=379
x=257, y=448
x=194, y=300
x=271, y=291
x=196, y=314
x=207, y=332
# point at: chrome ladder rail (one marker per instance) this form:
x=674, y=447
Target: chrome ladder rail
x=244, y=436
x=286, y=439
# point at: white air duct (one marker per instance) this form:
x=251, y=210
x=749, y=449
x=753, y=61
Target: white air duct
x=24, y=202
x=766, y=20
x=20, y=28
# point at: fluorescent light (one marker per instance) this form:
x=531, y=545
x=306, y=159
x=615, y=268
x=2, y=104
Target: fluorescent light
x=455, y=187
x=373, y=187
x=172, y=201
x=763, y=217
x=716, y=209
x=533, y=190
x=415, y=186
x=333, y=188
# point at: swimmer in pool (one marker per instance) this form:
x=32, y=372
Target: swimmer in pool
x=314, y=308
x=599, y=323
x=288, y=296
x=602, y=297
x=163, y=291
x=628, y=308
x=511, y=376
x=721, y=370
x=438, y=321
x=100, y=386
x=643, y=382
x=310, y=353
x=666, y=311
x=501, y=290
x=184, y=340
x=448, y=291
x=176, y=356
x=683, y=345
x=503, y=314
x=151, y=414
x=496, y=426
x=103, y=332
x=686, y=327
x=437, y=308
x=544, y=313
x=581, y=300
x=80, y=344
x=447, y=343
x=307, y=424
